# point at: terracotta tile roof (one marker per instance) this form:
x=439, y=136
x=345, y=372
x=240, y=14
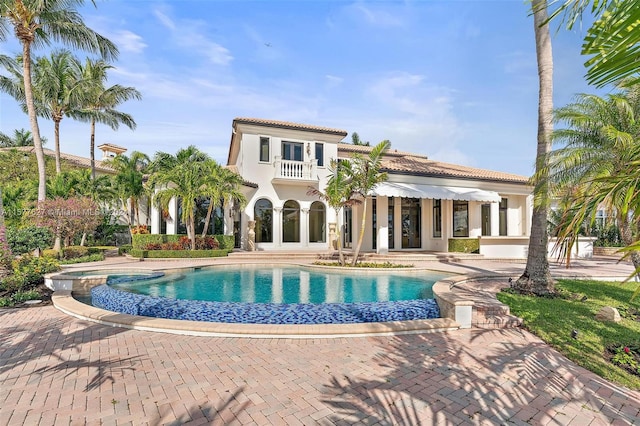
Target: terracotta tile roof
x=73, y=159
x=418, y=165
x=364, y=149
x=288, y=125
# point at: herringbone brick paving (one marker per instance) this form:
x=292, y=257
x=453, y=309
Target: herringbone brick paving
x=55, y=369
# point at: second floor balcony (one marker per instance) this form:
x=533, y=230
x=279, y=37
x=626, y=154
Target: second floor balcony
x=292, y=172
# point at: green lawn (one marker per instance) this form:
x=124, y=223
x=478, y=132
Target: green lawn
x=554, y=319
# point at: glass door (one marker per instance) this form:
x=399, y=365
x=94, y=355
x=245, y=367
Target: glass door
x=346, y=228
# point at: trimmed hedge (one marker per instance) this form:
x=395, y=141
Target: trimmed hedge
x=464, y=245
x=140, y=241
x=177, y=254
x=227, y=242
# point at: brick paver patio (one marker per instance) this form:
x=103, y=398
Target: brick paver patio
x=55, y=369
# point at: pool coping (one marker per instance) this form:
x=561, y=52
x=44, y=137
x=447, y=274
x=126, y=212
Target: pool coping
x=456, y=313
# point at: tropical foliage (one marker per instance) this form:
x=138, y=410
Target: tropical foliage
x=99, y=102
x=128, y=183
x=351, y=182
x=21, y=137
x=37, y=23
x=338, y=195
x=601, y=140
x=191, y=176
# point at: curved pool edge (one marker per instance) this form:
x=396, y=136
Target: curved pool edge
x=64, y=301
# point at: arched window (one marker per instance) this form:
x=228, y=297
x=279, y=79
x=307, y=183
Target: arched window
x=291, y=222
x=317, y=223
x=263, y=215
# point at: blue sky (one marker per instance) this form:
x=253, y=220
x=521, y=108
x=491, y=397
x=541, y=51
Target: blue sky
x=453, y=80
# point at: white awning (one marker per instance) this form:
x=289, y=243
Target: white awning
x=436, y=192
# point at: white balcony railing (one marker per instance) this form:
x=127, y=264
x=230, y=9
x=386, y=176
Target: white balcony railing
x=295, y=170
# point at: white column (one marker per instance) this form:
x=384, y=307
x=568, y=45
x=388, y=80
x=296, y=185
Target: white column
x=304, y=226
x=382, y=205
x=172, y=225
x=156, y=214
x=277, y=226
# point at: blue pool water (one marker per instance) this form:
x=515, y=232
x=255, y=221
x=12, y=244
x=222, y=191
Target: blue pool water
x=283, y=285
x=275, y=295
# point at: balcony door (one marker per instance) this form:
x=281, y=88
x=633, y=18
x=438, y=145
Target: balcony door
x=292, y=151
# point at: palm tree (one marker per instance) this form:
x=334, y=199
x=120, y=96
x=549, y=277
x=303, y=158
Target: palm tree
x=128, y=182
x=602, y=139
x=184, y=177
x=338, y=194
x=99, y=103
x=614, y=42
x=21, y=137
x=536, y=278
x=56, y=90
x=39, y=23
x=355, y=139
x=222, y=185
x=365, y=175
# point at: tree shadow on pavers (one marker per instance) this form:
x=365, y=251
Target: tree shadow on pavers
x=473, y=376
x=61, y=338
x=105, y=370
x=218, y=412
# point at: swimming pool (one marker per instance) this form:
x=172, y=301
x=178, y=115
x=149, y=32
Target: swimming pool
x=282, y=285
x=276, y=295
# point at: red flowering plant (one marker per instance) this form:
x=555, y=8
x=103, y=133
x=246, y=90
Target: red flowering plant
x=626, y=357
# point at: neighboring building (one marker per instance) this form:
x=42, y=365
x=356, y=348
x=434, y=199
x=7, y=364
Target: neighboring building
x=422, y=206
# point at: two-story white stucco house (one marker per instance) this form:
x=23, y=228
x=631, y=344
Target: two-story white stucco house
x=422, y=206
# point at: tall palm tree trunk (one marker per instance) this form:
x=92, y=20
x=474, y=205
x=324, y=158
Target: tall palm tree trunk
x=536, y=278
x=627, y=237
x=363, y=223
x=56, y=132
x=92, y=149
x=207, y=220
x=33, y=121
x=192, y=225
x=339, y=239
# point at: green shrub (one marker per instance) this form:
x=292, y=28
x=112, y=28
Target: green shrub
x=95, y=257
x=27, y=239
x=464, y=245
x=125, y=248
x=5, y=302
x=50, y=253
x=177, y=254
x=227, y=242
x=140, y=241
x=28, y=272
x=73, y=252
x=23, y=296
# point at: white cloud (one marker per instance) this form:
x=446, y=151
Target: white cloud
x=190, y=35
x=128, y=41
x=333, y=81
x=376, y=16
